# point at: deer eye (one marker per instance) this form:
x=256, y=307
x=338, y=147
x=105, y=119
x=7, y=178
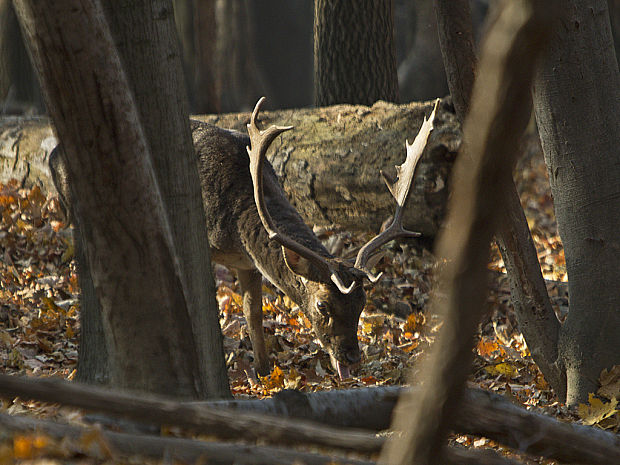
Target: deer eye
x=321, y=306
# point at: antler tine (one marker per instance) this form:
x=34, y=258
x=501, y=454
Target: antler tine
x=400, y=189
x=260, y=142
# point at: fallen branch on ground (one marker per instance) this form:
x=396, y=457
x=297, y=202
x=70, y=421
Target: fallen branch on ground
x=482, y=413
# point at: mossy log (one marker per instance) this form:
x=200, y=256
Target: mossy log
x=329, y=164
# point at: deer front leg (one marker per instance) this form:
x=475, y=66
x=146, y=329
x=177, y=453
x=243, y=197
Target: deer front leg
x=251, y=289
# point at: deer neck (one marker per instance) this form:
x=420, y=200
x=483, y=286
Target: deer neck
x=268, y=257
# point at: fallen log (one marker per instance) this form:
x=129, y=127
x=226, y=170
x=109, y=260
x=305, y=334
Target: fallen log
x=329, y=164
x=177, y=449
x=482, y=414
x=193, y=451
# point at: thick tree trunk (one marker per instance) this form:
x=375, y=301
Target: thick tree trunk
x=328, y=164
x=128, y=242
x=577, y=101
x=354, y=54
x=500, y=111
x=150, y=56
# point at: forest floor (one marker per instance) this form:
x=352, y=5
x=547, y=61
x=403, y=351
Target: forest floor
x=39, y=320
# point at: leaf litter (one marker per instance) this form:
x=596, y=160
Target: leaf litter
x=39, y=323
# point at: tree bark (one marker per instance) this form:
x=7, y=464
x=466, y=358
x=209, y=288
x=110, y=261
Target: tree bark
x=135, y=269
x=456, y=38
x=327, y=164
x=151, y=58
x=536, y=317
x=354, y=54
x=93, y=358
x=500, y=111
x=577, y=101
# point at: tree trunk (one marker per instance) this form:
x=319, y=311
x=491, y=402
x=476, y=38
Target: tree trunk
x=327, y=164
x=421, y=75
x=93, y=358
x=500, y=111
x=577, y=101
x=239, y=83
x=150, y=56
x=128, y=242
x=283, y=31
x=195, y=21
x=19, y=90
x=354, y=54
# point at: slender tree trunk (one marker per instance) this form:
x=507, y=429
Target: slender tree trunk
x=354, y=54
x=537, y=320
x=577, y=101
x=421, y=74
x=501, y=107
x=128, y=242
x=19, y=90
x=195, y=21
x=153, y=69
x=239, y=83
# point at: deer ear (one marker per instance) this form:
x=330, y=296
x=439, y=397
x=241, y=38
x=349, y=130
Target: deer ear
x=296, y=263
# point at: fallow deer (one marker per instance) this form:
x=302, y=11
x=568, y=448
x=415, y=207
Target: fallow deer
x=256, y=231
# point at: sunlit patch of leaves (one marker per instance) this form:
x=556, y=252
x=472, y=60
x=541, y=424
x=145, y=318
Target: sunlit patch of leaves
x=38, y=286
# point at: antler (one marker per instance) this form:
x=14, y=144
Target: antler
x=260, y=142
x=400, y=189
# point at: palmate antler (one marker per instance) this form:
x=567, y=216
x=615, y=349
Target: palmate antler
x=400, y=188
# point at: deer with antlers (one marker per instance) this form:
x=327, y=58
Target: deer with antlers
x=256, y=231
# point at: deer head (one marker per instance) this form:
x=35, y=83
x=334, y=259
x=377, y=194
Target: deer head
x=333, y=295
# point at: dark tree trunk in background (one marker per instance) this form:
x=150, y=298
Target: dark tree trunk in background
x=577, y=102
x=19, y=90
x=150, y=328
x=456, y=37
x=238, y=83
x=354, y=54
x=283, y=37
x=421, y=74
x=195, y=21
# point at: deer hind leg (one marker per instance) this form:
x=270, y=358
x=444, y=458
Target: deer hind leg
x=251, y=289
